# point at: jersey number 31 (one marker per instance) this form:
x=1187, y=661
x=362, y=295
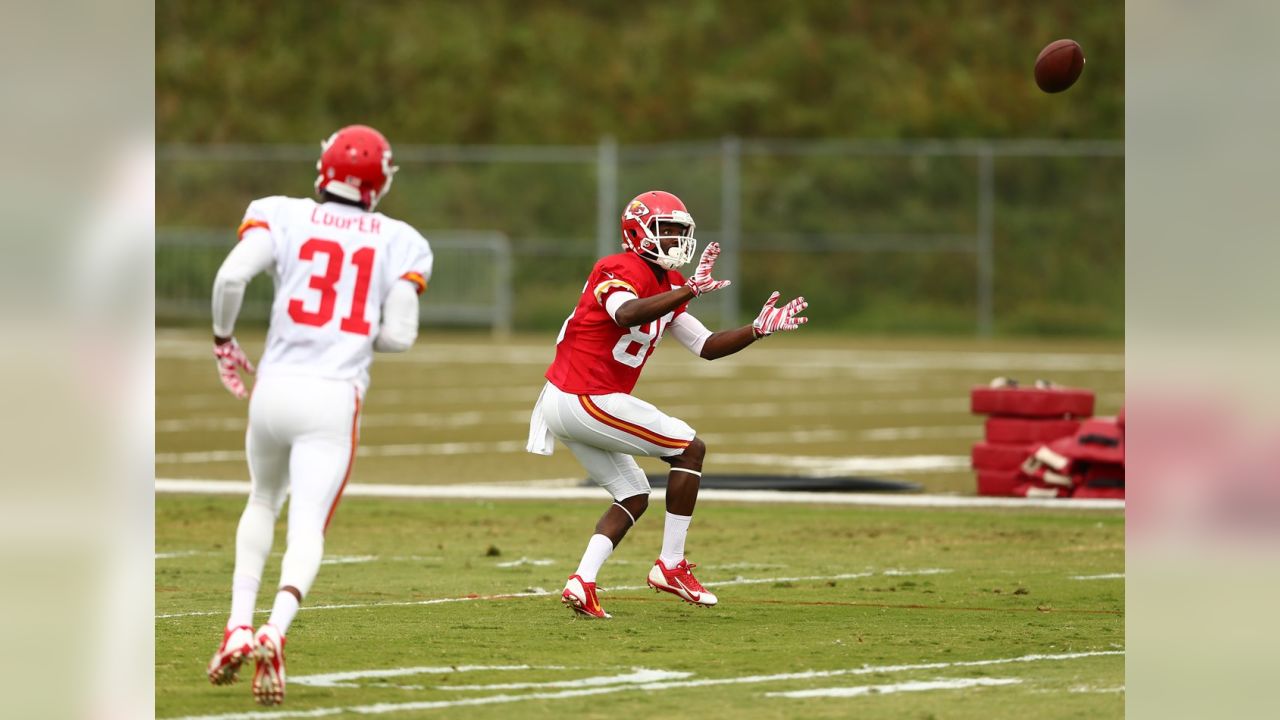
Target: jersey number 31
x=326, y=282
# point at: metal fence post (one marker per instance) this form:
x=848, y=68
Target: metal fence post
x=502, y=293
x=985, y=239
x=730, y=227
x=607, y=238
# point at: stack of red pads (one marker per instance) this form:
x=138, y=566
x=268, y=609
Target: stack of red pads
x=1043, y=441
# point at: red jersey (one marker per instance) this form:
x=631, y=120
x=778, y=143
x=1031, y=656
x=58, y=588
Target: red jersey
x=593, y=355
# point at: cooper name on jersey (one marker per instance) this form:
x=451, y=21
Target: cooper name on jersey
x=360, y=223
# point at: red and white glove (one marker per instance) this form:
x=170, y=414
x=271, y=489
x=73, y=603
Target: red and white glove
x=230, y=358
x=774, y=319
x=702, y=282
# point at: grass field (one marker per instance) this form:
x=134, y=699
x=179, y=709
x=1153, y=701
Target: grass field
x=450, y=608
x=966, y=586
x=456, y=408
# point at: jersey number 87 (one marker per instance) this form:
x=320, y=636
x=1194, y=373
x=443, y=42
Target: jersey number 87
x=640, y=338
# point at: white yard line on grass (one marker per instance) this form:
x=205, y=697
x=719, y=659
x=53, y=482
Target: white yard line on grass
x=496, y=492
x=901, y=406
x=348, y=559
x=890, y=434
x=829, y=465
x=793, y=437
x=756, y=409
x=404, y=450
x=637, y=676
x=915, y=686
x=379, y=416
x=456, y=420
x=1108, y=576
x=811, y=464
x=435, y=420
x=343, y=679
x=1087, y=689
x=349, y=606
x=525, y=561
x=775, y=436
x=539, y=592
x=381, y=708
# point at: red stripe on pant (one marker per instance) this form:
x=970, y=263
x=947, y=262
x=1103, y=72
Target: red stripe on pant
x=639, y=431
x=351, y=461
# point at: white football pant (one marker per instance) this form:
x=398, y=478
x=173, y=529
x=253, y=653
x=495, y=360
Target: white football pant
x=301, y=441
x=605, y=431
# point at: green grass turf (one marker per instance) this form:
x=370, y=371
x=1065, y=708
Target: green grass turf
x=805, y=394
x=1007, y=593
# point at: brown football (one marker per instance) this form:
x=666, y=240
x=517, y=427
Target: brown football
x=1059, y=65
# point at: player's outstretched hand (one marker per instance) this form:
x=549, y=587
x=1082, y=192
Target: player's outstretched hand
x=702, y=282
x=774, y=319
x=230, y=359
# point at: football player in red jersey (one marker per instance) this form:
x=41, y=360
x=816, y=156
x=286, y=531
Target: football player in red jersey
x=629, y=301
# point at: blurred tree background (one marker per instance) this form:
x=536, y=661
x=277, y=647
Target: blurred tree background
x=542, y=72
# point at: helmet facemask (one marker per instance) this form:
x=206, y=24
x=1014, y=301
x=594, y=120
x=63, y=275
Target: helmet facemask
x=678, y=226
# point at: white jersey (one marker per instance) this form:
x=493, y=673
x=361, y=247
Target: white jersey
x=334, y=266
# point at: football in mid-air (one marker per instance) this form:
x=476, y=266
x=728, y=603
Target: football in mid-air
x=1059, y=65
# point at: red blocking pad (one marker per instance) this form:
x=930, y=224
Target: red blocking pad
x=1039, y=489
x=1031, y=402
x=1104, y=475
x=1027, y=431
x=1088, y=491
x=997, y=482
x=988, y=456
x=1099, y=440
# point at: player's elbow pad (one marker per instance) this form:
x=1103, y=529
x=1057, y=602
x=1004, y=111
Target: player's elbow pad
x=228, y=280
x=391, y=341
x=614, y=304
x=399, y=320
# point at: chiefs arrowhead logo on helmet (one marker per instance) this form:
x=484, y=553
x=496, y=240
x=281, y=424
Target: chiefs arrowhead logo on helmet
x=637, y=209
x=653, y=217
x=355, y=164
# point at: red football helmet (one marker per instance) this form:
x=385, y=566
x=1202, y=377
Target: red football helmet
x=355, y=164
x=649, y=219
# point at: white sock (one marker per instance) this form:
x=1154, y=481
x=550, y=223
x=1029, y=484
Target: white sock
x=244, y=594
x=253, y=543
x=673, y=535
x=282, y=613
x=301, y=561
x=599, y=548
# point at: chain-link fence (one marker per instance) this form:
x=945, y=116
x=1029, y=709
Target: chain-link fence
x=881, y=236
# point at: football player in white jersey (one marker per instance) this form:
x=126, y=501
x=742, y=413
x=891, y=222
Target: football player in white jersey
x=347, y=281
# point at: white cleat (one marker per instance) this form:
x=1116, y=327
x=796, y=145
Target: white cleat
x=679, y=581
x=268, y=675
x=236, y=647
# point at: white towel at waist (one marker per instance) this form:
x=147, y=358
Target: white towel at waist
x=541, y=441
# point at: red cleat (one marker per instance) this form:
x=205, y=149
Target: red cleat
x=268, y=675
x=581, y=598
x=236, y=647
x=679, y=581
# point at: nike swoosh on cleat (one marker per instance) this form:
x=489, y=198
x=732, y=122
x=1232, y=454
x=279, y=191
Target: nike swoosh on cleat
x=692, y=593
